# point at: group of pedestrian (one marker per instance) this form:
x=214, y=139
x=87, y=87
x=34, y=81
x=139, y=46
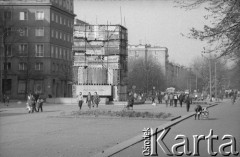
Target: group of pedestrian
x=172, y=99
x=34, y=103
x=91, y=100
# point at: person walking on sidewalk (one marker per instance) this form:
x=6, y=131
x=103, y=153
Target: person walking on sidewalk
x=188, y=102
x=166, y=99
x=80, y=100
x=175, y=98
x=89, y=100
x=160, y=97
x=181, y=98
x=171, y=99
x=96, y=99
x=40, y=104
x=130, y=101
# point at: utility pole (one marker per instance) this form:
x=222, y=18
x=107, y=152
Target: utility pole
x=210, y=81
x=215, y=83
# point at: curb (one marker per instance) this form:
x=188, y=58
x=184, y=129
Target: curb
x=128, y=143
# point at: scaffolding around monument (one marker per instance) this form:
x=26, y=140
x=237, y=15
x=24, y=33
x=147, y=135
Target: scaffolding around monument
x=100, y=60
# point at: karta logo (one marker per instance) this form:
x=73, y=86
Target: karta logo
x=152, y=141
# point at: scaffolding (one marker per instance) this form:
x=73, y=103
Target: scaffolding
x=100, y=55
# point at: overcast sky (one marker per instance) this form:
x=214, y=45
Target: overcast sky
x=155, y=22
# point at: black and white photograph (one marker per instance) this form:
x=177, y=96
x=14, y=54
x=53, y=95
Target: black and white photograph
x=119, y=78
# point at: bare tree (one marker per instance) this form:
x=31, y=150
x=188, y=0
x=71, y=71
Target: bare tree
x=223, y=32
x=145, y=75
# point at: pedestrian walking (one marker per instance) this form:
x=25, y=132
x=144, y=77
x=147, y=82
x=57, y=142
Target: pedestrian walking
x=166, y=99
x=80, y=100
x=96, y=99
x=175, y=99
x=89, y=100
x=33, y=101
x=188, y=102
x=171, y=99
x=181, y=98
x=40, y=104
x=160, y=96
x=130, y=100
x=5, y=100
x=29, y=103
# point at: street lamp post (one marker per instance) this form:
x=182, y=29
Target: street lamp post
x=210, y=77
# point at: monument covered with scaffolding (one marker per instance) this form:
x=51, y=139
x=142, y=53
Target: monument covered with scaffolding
x=100, y=60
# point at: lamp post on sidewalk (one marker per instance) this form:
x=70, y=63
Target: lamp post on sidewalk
x=210, y=77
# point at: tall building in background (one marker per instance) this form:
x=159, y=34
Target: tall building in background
x=36, y=47
x=145, y=57
x=100, y=60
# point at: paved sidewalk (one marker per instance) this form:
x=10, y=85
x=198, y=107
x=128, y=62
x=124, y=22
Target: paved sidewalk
x=40, y=135
x=224, y=119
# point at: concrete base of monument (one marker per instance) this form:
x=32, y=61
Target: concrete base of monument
x=70, y=101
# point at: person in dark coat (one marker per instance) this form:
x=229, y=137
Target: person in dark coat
x=181, y=98
x=96, y=99
x=40, y=104
x=33, y=101
x=130, y=101
x=89, y=100
x=160, y=97
x=175, y=99
x=188, y=102
x=198, y=110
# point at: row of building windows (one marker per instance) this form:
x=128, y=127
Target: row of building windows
x=39, y=32
x=61, y=35
x=60, y=67
x=23, y=66
x=56, y=51
x=39, y=15
x=60, y=52
x=23, y=15
x=61, y=20
x=66, y=4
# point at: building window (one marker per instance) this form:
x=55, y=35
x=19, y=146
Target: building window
x=38, y=86
x=60, y=52
x=56, y=33
x=23, y=15
x=53, y=67
x=64, y=36
x=52, y=51
x=8, y=31
x=23, y=32
x=64, y=21
x=39, y=15
x=64, y=54
x=56, y=18
x=52, y=18
x=23, y=49
x=39, y=66
x=60, y=35
x=68, y=37
x=39, y=31
x=39, y=50
x=52, y=33
x=56, y=52
x=21, y=86
x=7, y=66
x=60, y=19
x=8, y=48
x=22, y=66
x=7, y=15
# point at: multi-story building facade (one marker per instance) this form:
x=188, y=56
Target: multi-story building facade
x=36, y=47
x=149, y=56
x=100, y=60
